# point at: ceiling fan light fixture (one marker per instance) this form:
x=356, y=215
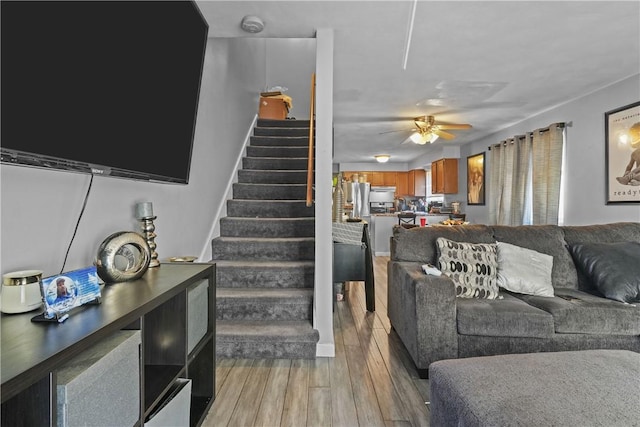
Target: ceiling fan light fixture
x=382, y=158
x=416, y=137
x=432, y=138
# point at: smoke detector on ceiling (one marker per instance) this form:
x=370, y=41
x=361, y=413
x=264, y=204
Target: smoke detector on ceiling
x=252, y=24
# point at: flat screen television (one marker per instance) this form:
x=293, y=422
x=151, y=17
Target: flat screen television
x=102, y=87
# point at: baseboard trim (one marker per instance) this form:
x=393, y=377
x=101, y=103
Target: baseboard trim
x=214, y=231
x=326, y=350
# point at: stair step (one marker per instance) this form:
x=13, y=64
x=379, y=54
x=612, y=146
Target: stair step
x=265, y=262
x=269, y=191
x=279, y=141
x=266, y=340
x=264, y=274
x=267, y=249
x=263, y=163
x=277, y=151
x=272, y=176
x=267, y=227
x=269, y=209
x=281, y=131
x=264, y=304
x=283, y=123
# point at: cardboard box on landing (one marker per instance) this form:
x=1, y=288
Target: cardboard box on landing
x=274, y=105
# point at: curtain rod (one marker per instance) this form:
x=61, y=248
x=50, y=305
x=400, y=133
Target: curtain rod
x=560, y=125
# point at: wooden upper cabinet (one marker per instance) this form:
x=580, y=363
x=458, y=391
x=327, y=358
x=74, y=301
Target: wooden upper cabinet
x=402, y=184
x=389, y=179
x=413, y=183
x=444, y=176
x=346, y=175
x=417, y=180
x=375, y=178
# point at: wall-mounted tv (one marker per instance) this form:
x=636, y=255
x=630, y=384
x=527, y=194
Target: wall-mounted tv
x=102, y=87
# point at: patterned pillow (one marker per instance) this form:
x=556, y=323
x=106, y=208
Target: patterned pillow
x=472, y=267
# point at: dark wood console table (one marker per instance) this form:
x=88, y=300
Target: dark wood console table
x=156, y=304
x=355, y=263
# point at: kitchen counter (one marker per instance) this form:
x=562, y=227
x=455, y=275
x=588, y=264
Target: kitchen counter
x=381, y=229
x=395, y=214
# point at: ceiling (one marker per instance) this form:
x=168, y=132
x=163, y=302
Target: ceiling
x=489, y=64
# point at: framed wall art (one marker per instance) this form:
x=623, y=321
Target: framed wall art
x=475, y=179
x=622, y=154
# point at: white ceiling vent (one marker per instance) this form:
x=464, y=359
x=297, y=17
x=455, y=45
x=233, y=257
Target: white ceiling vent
x=252, y=24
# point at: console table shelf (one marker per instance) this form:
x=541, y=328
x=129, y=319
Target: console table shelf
x=156, y=304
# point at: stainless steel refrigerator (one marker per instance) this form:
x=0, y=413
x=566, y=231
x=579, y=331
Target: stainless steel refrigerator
x=358, y=195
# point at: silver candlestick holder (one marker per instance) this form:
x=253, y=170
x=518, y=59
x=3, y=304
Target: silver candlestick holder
x=148, y=228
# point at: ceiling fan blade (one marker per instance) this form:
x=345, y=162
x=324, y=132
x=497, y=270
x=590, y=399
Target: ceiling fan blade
x=453, y=125
x=392, y=131
x=443, y=134
x=372, y=118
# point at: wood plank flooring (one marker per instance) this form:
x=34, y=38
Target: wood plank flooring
x=370, y=382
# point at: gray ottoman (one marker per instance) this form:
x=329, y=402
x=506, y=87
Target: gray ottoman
x=570, y=388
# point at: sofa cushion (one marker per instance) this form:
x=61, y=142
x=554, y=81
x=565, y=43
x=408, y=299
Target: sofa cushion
x=546, y=239
x=419, y=244
x=577, y=312
x=600, y=233
x=471, y=266
x=524, y=270
x=504, y=317
x=613, y=268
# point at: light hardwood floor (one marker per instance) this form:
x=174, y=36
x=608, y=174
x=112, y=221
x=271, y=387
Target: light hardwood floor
x=371, y=381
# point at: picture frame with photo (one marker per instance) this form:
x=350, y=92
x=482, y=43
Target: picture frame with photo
x=622, y=154
x=476, y=179
x=66, y=291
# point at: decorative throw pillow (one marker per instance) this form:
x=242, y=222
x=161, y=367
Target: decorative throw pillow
x=471, y=266
x=524, y=271
x=613, y=268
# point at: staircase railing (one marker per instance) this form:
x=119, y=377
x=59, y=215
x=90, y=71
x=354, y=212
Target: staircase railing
x=310, y=161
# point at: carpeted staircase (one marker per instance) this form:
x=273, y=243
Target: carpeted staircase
x=265, y=252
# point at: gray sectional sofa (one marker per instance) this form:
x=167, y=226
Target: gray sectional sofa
x=435, y=324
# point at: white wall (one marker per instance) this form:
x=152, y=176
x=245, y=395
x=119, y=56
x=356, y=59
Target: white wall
x=290, y=63
x=40, y=207
x=585, y=151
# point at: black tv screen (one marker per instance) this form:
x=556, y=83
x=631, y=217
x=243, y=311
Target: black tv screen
x=103, y=87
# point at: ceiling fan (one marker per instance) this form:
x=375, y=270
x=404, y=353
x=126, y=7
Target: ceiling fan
x=427, y=129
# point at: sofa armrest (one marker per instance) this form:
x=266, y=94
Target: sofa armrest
x=422, y=310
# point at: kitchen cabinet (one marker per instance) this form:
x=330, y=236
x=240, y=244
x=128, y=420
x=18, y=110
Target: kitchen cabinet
x=389, y=179
x=444, y=176
x=402, y=184
x=380, y=179
x=375, y=178
x=347, y=175
x=417, y=182
x=412, y=183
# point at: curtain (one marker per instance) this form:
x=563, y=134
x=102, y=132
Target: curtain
x=525, y=178
x=510, y=170
x=547, y=168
